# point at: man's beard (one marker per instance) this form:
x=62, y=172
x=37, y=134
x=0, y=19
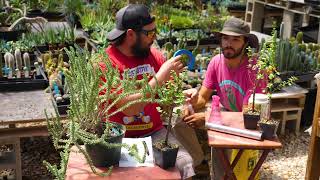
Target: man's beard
x=139, y=51
x=236, y=52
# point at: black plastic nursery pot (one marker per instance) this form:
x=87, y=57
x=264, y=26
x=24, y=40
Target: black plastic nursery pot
x=268, y=130
x=23, y=84
x=102, y=156
x=250, y=121
x=166, y=157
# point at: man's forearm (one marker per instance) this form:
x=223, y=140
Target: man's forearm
x=137, y=107
x=201, y=103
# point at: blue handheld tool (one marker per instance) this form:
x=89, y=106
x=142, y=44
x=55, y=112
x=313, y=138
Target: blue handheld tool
x=189, y=54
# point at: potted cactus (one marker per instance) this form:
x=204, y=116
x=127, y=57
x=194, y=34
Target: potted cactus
x=88, y=114
x=170, y=96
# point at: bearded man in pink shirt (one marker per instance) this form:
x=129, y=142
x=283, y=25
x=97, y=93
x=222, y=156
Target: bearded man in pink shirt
x=227, y=74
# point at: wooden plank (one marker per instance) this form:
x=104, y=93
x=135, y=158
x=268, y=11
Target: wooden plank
x=8, y=160
x=257, y=17
x=313, y=163
x=22, y=132
x=78, y=169
x=318, y=131
x=284, y=107
x=26, y=106
x=292, y=116
x=229, y=141
x=288, y=19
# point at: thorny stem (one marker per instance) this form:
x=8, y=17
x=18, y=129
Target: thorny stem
x=169, y=127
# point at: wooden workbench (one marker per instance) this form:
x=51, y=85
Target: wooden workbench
x=24, y=107
x=21, y=108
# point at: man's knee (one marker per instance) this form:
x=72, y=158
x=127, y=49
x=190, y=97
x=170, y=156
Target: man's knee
x=185, y=165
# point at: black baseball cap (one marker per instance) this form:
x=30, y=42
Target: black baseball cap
x=133, y=16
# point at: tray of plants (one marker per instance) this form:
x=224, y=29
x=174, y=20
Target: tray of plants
x=16, y=77
x=60, y=95
x=54, y=66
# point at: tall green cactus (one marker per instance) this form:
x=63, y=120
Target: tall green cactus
x=26, y=61
x=299, y=37
x=9, y=59
x=17, y=55
x=293, y=59
x=45, y=60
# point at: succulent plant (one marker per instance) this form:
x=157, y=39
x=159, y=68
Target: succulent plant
x=45, y=60
x=17, y=55
x=26, y=61
x=299, y=37
x=9, y=59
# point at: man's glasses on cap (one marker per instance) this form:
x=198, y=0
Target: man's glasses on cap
x=150, y=33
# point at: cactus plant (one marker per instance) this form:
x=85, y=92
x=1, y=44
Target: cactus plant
x=6, y=59
x=299, y=37
x=9, y=59
x=46, y=58
x=17, y=55
x=303, y=47
x=293, y=57
x=60, y=61
x=26, y=61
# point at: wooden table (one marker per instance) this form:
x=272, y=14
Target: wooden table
x=78, y=169
x=21, y=108
x=24, y=107
x=221, y=141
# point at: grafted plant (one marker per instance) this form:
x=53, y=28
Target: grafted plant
x=171, y=96
x=90, y=102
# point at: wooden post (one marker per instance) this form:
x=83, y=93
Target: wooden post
x=288, y=18
x=18, y=159
x=319, y=34
x=257, y=17
x=314, y=147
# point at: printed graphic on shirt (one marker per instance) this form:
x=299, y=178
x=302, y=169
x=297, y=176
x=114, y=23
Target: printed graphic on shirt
x=227, y=86
x=131, y=122
x=142, y=69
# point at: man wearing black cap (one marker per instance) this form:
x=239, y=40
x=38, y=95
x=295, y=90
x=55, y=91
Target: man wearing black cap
x=229, y=75
x=131, y=51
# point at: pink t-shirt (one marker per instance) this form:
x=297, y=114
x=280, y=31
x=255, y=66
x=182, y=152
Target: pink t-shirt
x=149, y=120
x=233, y=85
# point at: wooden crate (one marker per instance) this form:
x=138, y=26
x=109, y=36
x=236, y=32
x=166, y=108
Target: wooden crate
x=288, y=109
